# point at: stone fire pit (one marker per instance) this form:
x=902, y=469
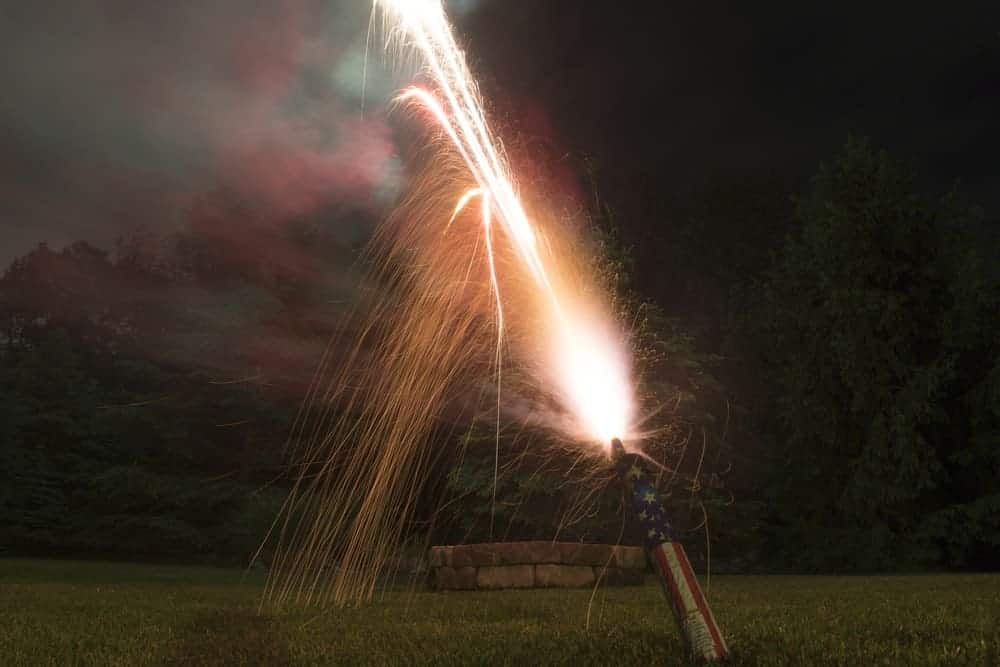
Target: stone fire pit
x=534, y=565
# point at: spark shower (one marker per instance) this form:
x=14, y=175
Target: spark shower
x=471, y=291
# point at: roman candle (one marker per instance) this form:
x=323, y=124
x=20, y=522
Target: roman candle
x=694, y=617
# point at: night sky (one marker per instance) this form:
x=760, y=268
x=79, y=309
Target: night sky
x=686, y=94
x=117, y=113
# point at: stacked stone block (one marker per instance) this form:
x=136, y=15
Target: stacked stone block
x=534, y=565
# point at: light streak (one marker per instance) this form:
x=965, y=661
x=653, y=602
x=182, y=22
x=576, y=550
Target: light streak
x=437, y=322
x=586, y=366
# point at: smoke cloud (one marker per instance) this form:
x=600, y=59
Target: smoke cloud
x=119, y=114
x=256, y=133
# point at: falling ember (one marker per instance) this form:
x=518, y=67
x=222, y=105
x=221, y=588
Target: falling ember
x=587, y=366
x=467, y=287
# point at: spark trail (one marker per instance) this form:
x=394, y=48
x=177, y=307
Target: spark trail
x=590, y=372
x=451, y=300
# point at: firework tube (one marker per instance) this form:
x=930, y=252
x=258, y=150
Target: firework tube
x=694, y=618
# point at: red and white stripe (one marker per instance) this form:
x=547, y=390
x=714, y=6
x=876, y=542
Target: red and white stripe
x=682, y=589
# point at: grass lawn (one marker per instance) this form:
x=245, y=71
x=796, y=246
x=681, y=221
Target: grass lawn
x=68, y=612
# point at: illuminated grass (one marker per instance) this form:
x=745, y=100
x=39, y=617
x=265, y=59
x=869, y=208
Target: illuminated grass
x=65, y=612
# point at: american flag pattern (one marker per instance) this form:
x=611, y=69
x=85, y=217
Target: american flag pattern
x=680, y=586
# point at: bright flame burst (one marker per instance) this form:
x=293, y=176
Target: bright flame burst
x=438, y=320
x=588, y=368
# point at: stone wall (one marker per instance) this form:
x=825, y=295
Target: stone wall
x=534, y=564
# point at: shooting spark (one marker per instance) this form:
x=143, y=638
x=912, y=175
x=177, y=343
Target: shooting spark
x=587, y=367
x=452, y=299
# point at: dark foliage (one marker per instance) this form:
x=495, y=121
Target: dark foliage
x=876, y=329
x=832, y=361
x=145, y=400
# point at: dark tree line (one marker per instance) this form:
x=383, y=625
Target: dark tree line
x=876, y=331
x=856, y=326
x=835, y=348
x=146, y=394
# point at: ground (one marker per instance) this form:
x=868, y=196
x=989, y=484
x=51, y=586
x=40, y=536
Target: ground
x=69, y=612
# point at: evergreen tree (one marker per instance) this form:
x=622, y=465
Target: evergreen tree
x=877, y=327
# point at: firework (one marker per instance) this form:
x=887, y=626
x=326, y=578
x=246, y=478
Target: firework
x=587, y=366
x=693, y=615
x=466, y=285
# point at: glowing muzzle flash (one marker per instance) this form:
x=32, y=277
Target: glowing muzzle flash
x=595, y=383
